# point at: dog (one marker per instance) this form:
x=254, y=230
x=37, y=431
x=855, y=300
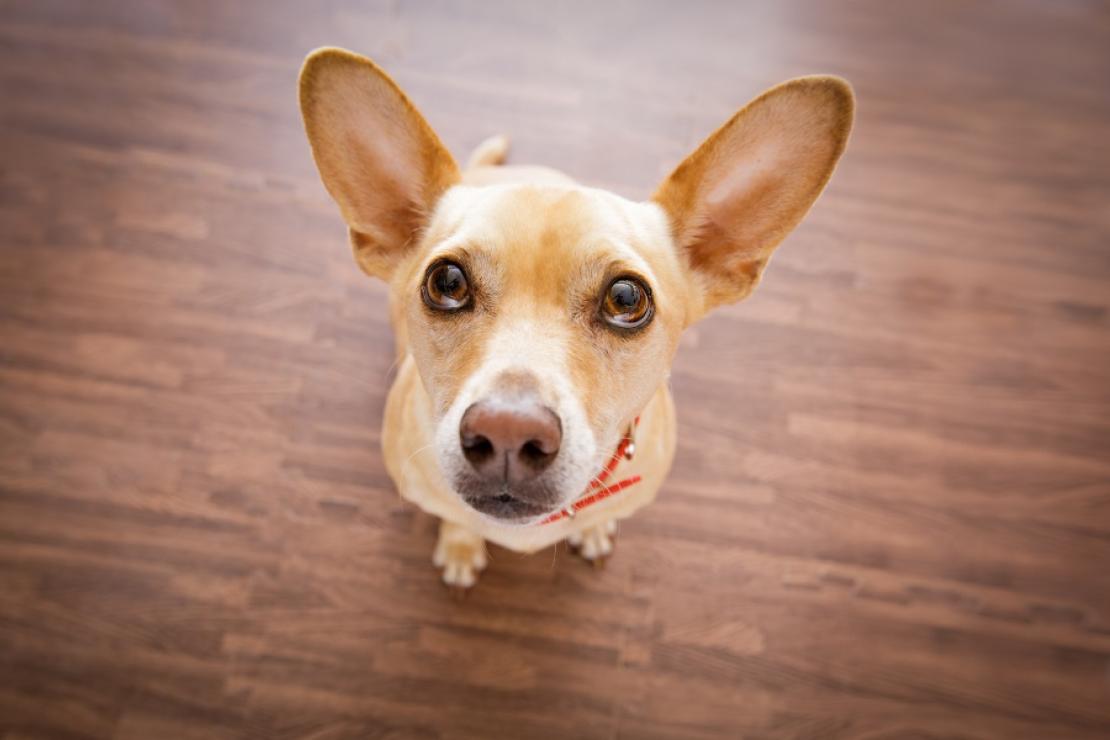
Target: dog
x=536, y=318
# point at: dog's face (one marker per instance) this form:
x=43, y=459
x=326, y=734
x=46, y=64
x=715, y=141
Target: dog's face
x=542, y=319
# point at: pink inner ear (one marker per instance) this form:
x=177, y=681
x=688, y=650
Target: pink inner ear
x=390, y=163
x=735, y=186
x=743, y=200
x=384, y=185
x=749, y=184
x=376, y=155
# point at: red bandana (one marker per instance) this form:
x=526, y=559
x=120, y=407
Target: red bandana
x=597, y=486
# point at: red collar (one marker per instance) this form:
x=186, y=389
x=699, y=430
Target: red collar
x=597, y=490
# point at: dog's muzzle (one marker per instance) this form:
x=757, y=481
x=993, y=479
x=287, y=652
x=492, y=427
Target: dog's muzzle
x=509, y=442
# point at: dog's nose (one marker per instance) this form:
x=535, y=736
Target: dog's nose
x=511, y=441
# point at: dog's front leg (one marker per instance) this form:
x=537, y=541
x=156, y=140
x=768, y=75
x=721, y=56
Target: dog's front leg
x=461, y=554
x=594, y=543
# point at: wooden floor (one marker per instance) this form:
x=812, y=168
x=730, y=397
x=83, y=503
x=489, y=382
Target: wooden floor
x=889, y=515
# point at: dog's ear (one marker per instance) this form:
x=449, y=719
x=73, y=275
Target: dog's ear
x=377, y=155
x=749, y=184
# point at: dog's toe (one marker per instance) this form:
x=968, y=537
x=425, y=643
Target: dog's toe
x=595, y=543
x=461, y=575
x=461, y=556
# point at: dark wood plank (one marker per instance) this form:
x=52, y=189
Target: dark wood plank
x=901, y=527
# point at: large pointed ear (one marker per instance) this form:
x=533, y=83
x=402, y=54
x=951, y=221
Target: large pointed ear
x=749, y=184
x=377, y=155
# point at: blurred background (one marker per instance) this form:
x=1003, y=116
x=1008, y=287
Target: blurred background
x=889, y=515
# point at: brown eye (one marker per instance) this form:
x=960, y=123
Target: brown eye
x=445, y=287
x=627, y=304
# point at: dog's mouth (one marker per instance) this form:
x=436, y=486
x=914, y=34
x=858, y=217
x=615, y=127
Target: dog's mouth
x=506, y=507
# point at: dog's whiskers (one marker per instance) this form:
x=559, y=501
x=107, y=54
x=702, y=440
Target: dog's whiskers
x=408, y=460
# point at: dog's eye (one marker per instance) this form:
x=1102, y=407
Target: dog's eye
x=445, y=287
x=627, y=304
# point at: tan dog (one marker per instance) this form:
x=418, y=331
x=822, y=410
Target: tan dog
x=536, y=318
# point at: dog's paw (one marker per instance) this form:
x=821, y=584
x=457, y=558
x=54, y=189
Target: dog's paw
x=461, y=554
x=594, y=543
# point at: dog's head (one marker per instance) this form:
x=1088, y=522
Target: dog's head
x=542, y=319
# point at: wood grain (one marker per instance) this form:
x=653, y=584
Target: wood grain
x=890, y=510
